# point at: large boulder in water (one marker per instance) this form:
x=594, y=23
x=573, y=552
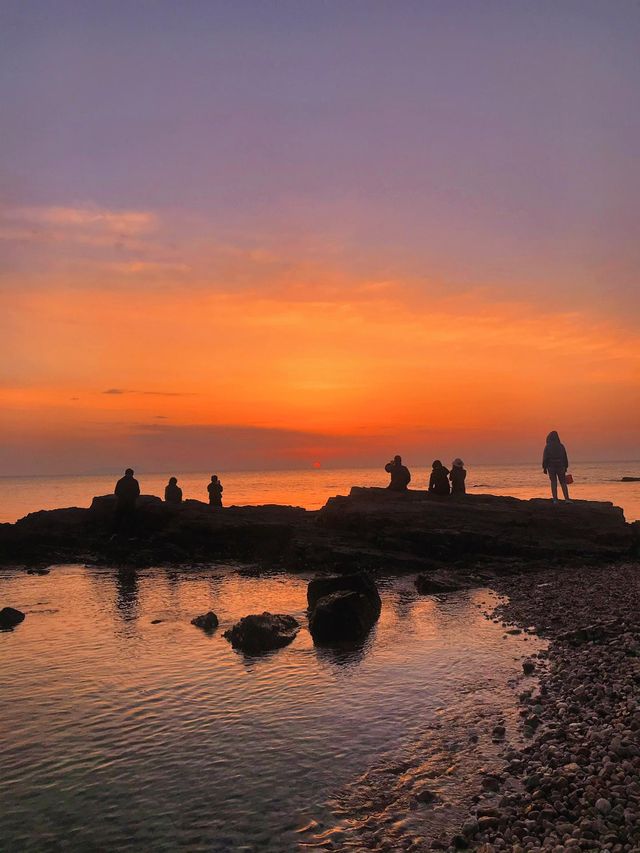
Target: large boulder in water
x=360, y=582
x=10, y=617
x=342, y=615
x=262, y=632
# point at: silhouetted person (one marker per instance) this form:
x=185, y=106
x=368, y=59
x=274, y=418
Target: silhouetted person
x=458, y=475
x=173, y=492
x=555, y=463
x=126, y=491
x=215, y=491
x=439, y=480
x=400, y=476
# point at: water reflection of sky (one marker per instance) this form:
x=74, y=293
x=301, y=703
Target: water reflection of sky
x=124, y=733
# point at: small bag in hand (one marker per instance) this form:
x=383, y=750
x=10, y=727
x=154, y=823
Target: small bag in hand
x=568, y=479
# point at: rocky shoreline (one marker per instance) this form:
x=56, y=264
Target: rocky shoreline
x=579, y=775
x=565, y=775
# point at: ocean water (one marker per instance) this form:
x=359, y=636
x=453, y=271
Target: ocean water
x=597, y=481
x=121, y=734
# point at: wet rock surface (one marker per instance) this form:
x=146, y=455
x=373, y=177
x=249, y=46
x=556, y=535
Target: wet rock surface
x=342, y=616
x=438, y=583
x=262, y=632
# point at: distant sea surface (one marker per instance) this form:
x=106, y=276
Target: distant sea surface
x=596, y=481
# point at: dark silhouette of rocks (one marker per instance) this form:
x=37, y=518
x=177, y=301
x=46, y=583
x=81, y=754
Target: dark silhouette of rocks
x=208, y=621
x=342, y=616
x=262, y=632
x=374, y=529
x=630, y=480
x=360, y=582
x=38, y=571
x=10, y=617
x=342, y=607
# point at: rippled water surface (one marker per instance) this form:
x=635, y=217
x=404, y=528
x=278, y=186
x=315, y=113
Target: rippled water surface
x=121, y=734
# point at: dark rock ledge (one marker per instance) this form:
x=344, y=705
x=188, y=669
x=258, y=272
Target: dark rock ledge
x=370, y=528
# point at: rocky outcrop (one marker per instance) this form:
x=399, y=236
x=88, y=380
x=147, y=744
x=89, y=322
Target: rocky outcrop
x=263, y=632
x=373, y=529
x=342, y=616
x=208, y=621
x=10, y=617
x=419, y=525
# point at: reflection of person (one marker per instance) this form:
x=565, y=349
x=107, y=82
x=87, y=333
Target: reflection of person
x=126, y=491
x=458, y=475
x=173, y=492
x=439, y=480
x=555, y=463
x=215, y=491
x=400, y=476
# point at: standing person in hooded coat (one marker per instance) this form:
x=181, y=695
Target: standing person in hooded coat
x=555, y=463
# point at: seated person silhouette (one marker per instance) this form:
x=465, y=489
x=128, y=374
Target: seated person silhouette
x=126, y=491
x=173, y=492
x=439, y=480
x=457, y=476
x=215, y=491
x=400, y=476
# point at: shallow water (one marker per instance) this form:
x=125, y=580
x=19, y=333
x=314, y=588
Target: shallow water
x=122, y=734
x=594, y=481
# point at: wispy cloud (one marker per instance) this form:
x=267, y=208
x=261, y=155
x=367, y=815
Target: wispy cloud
x=118, y=391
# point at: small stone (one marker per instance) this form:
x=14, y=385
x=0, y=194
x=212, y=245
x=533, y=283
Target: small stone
x=208, y=621
x=528, y=667
x=603, y=806
x=426, y=796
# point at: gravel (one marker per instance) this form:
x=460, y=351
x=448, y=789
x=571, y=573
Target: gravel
x=575, y=785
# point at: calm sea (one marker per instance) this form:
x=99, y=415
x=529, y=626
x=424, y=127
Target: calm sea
x=596, y=481
x=127, y=729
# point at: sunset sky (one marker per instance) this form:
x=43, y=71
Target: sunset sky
x=264, y=234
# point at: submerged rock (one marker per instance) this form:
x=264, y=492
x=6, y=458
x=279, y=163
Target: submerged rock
x=262, y=632
x=342, y=615
x=207, y=621
x=38, y=571
x=438, y=583
x=10, y=617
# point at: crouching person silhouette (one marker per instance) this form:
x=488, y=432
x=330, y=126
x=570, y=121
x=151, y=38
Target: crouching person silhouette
x=400, y=475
